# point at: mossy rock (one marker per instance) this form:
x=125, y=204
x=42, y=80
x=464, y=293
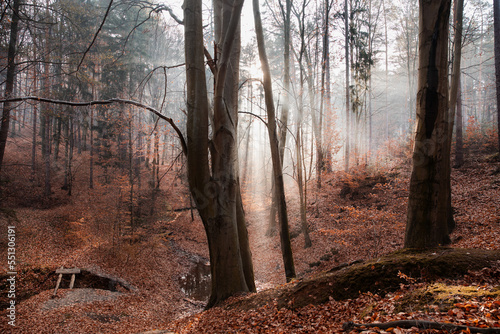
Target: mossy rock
x=379, y=276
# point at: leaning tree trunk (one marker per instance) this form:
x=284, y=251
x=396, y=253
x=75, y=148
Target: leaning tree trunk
x=9, y=82
x=429, y=192
x=286, y=247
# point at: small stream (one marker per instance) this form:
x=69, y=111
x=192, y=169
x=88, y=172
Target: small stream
x=196, y=283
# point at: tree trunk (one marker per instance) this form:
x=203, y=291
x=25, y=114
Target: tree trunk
x=35, y=113
x=216, y=196
x=496, y=18
x=46, y=112
x=459, y=149
x=428, y=200
x=455, y=82
x=285, y=107
x=91, y=162
x=347, y=103
x=325, y=93
x=10, y=79
x=286, y=248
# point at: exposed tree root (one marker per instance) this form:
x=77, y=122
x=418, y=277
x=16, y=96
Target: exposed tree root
x=421, y=324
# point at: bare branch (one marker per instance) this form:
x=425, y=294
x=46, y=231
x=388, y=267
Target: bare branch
x=95, y=35
x=254, y=115
x=171, y=12
x=104, y=102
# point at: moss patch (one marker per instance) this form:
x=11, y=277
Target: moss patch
x=377, y=276
x=443, y=296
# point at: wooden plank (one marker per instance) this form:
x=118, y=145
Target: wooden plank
x=72, y=283
x=57, y=284
x=68, y=271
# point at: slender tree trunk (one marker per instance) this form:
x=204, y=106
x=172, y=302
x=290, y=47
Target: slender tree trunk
x=70, y=157
x=325, y=92
x=286, y=248
x=427, y=224
x=66, y=156
x=326, y=120
x=10, y=79
x=91, y=162
x=459, y=149
x=285, y=107
x=35, y=112
x=386, y=92
x=131, y=171
x=57, y=135
x=496, y=18
x=455, y=82
x=156, y=164
x=347, y=102
x=46, y=113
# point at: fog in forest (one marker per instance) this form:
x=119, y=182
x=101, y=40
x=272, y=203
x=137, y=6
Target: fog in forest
x=139, y=56
x=144, y=139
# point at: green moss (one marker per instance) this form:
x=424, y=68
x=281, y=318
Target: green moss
x=442, y=295
x=378, y=276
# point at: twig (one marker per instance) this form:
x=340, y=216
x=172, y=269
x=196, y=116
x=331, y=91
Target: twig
x=95, y=36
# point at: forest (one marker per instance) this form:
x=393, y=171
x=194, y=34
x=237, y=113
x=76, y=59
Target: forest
x=231, y=166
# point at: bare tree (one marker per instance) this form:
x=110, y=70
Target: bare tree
x=11, y=77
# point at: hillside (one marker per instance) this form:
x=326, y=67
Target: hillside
x=353, y=218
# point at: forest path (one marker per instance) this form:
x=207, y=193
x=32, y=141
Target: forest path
x=266, y=253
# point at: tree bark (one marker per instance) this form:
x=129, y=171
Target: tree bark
x=10, y=79
x=347, y=102
x=459, y=149
x=496, y=19
x=455, y=82
x=286, y=12
x=428, y=200
x=216, y=196
x=286, y=247
x=35, y=113
x=45, y=114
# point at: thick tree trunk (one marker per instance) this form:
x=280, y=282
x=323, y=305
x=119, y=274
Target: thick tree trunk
x=216, y=196
x=10, y=79
x=286, y=248
x=427, y=224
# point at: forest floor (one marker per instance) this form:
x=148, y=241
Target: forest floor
x=353, y=217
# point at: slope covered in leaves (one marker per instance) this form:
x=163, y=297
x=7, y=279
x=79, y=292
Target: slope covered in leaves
x=353, y=217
